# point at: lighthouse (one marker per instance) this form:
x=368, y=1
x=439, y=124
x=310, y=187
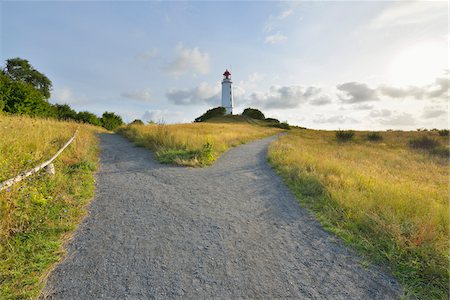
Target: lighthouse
x=227, y=93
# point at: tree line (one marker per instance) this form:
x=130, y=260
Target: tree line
x=26, y=91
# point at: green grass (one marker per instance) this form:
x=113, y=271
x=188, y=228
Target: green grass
x=39, y=214
x=385, y=199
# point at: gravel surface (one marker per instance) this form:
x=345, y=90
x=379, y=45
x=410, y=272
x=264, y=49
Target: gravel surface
x=229, y=231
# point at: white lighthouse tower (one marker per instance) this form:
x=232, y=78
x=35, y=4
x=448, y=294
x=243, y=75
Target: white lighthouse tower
x=227, y=93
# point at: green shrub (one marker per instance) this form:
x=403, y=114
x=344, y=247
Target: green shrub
x=272, y=120
x=443, y=132
x=111, y=121
x=214, y=112
x=283, y=125
x=424, y=143
x=374, y=137
x=253, y=113
x=344, y=135
x=88, y=117
x=137, y=122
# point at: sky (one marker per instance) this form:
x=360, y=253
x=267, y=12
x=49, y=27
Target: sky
x=323, y=65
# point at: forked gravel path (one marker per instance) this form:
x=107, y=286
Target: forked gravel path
x=230, y=231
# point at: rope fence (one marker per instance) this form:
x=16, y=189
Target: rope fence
x=47, y=164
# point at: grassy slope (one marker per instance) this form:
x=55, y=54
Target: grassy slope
x=37, y=214
x=196, y=144
x=387, y=200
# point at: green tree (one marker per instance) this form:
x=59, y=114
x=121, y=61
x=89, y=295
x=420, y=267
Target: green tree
x=87, y=117
x=65, y=112
x=253, y=113
x=19, y=69
x=18, y=97
x=137, y=122
x=111, y=121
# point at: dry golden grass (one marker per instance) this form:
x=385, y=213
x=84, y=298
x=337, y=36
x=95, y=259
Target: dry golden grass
x=195, y=144
x=36, y=213
x=388, y=200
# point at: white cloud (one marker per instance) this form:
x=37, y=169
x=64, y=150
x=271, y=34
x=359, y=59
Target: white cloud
x=65, y=95
x=275, y=38
x=285, y=13
x=355, y=92
x=380, y=113
x=434, y=112
x=189, y=60
x=335, y=120
x=285, y=97
x=201, y=94
x=160, y=116
x=141, y=95
x=410, y=13
x=403, y=119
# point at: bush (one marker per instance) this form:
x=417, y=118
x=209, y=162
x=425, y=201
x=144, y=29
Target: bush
x=425, y=143
x=90, y=118
x=283, y=125
x=374, y=137
x=344, y=135
x=253, y=113
x=443, y=132
x=111, y=121
x=137, y=122
x=214, y=112
x=272, y=120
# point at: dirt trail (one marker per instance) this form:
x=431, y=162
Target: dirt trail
x=230, y=231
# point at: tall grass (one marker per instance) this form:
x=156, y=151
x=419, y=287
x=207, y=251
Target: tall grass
x=387, y=200
x=37, y=214
x=196, y=144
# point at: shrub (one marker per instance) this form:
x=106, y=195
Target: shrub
x=283, y=125
x=272, y=120
x=88, y=117
x=137, y=122
x=344, y=135
x=425, y=143
x=443, y=132
x=253, y=113
x=214, y=112
x=374, y=137
x=111, y=121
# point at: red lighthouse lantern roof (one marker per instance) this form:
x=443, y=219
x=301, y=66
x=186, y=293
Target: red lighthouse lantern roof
x=227, y=74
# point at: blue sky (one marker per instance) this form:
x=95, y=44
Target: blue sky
x=327, y=65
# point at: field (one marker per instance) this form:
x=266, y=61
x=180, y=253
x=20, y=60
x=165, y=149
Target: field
x=384, y=198
x=196, y=144
x=38, y=214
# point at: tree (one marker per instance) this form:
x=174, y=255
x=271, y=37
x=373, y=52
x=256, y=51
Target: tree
x=253, y=113
x=19, y=69
x=214, y=112
x=65, y=112
x=18, y=97
x=90, y=118
x=111, y=121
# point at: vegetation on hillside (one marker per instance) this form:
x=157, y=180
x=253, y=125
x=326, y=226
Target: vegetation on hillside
x=25, y=91
x=386, y=199
x=196, y=144
x=38, y=213
x=211, y=113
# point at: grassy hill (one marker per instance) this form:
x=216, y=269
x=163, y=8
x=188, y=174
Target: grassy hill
x=38, y=214
x=385, y=198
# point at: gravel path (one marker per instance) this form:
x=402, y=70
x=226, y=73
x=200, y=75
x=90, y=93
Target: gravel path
x=229, y=231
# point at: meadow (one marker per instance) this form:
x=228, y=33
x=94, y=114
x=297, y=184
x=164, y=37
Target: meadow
x=38, y=214
x=195, y=144
x=380, y=195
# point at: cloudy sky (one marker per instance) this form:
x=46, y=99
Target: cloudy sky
x=327, y=65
